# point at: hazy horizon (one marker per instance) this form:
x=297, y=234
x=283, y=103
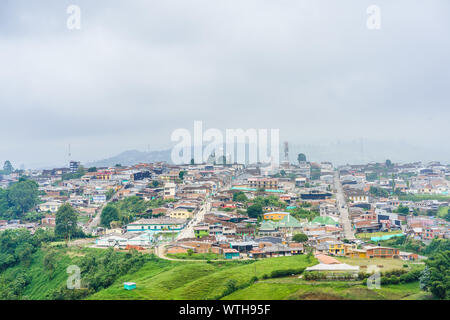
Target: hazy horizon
x=138, y=70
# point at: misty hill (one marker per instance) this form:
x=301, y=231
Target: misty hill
x=132, y=157
x=339, y=153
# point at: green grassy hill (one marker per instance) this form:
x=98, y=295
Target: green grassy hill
x=42, y=282
x=162, y=279
x=297, y=289
x=195, y=280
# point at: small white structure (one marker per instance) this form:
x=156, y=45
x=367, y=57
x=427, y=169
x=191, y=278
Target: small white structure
x=112, y=240
x=142, y=239
x=51, y=206
x=333, y=267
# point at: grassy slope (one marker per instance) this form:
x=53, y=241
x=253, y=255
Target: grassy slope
x=297, y=289
x=162, y=279
x=442, y=212
x=184, y=280
x=42, y=282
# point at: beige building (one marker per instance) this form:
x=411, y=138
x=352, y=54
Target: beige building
x=181, y=214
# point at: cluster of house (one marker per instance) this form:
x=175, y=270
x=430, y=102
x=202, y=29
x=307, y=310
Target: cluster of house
x=187, y=186
x=225, y=229
x=428, y=228
x=254, y=247
x=378, y=210
x=16, y=224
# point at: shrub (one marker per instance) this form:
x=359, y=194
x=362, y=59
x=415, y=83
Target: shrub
x=385, y=280
x=314, y=276
x=362, y=275
x=286, y=272
x=394, y=280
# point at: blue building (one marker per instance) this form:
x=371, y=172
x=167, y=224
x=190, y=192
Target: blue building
x=157, y=225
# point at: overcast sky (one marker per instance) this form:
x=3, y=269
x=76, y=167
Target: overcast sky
x=137, y=70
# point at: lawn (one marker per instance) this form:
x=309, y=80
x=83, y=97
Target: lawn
x=83, y=218
x=264, y=291
x=442, y=212
x=420, y=197
x=297, y=289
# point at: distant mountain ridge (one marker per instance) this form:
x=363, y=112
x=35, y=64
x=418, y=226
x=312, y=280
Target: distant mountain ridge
x=132, y=157
x=340, y=153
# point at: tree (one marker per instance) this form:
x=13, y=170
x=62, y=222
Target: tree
x=372, y=176
x=310, y=255
x=447, y=216
x=283, y=173
x=110, y=193
x=50, y=262
x=181, y=175
x=66, y=221
x=92, y=169
x=402, y=210
x=301, y=157
x=435, y=277
x=109, y=214
x=23, y=196
x=260, y=190
x=240, y=197
x=378, y=192
x=155, y=183
x=300, y=237
x=254, y=211
x=7, y=167
x=192, y=161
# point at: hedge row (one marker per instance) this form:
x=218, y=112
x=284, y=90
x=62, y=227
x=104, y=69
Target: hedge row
x=283, y=273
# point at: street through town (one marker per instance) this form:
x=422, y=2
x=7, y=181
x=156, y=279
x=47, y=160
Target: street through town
x=343, y=208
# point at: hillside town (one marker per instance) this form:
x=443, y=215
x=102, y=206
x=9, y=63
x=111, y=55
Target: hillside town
x=237, y=211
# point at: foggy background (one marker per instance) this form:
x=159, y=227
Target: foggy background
x=138, y=70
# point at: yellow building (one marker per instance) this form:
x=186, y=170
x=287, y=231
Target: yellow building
x=340, y=248
x=349, y=247
x=275, y=215
x=336, y=248
x=357, y=253
x=181, y=214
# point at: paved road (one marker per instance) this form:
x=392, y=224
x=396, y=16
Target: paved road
x=96, y=220
x=188, y=231
x=343, y=208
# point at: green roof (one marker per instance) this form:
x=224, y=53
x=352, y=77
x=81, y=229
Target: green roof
x=268, y=225
x=324, y=220
x=289, y=222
